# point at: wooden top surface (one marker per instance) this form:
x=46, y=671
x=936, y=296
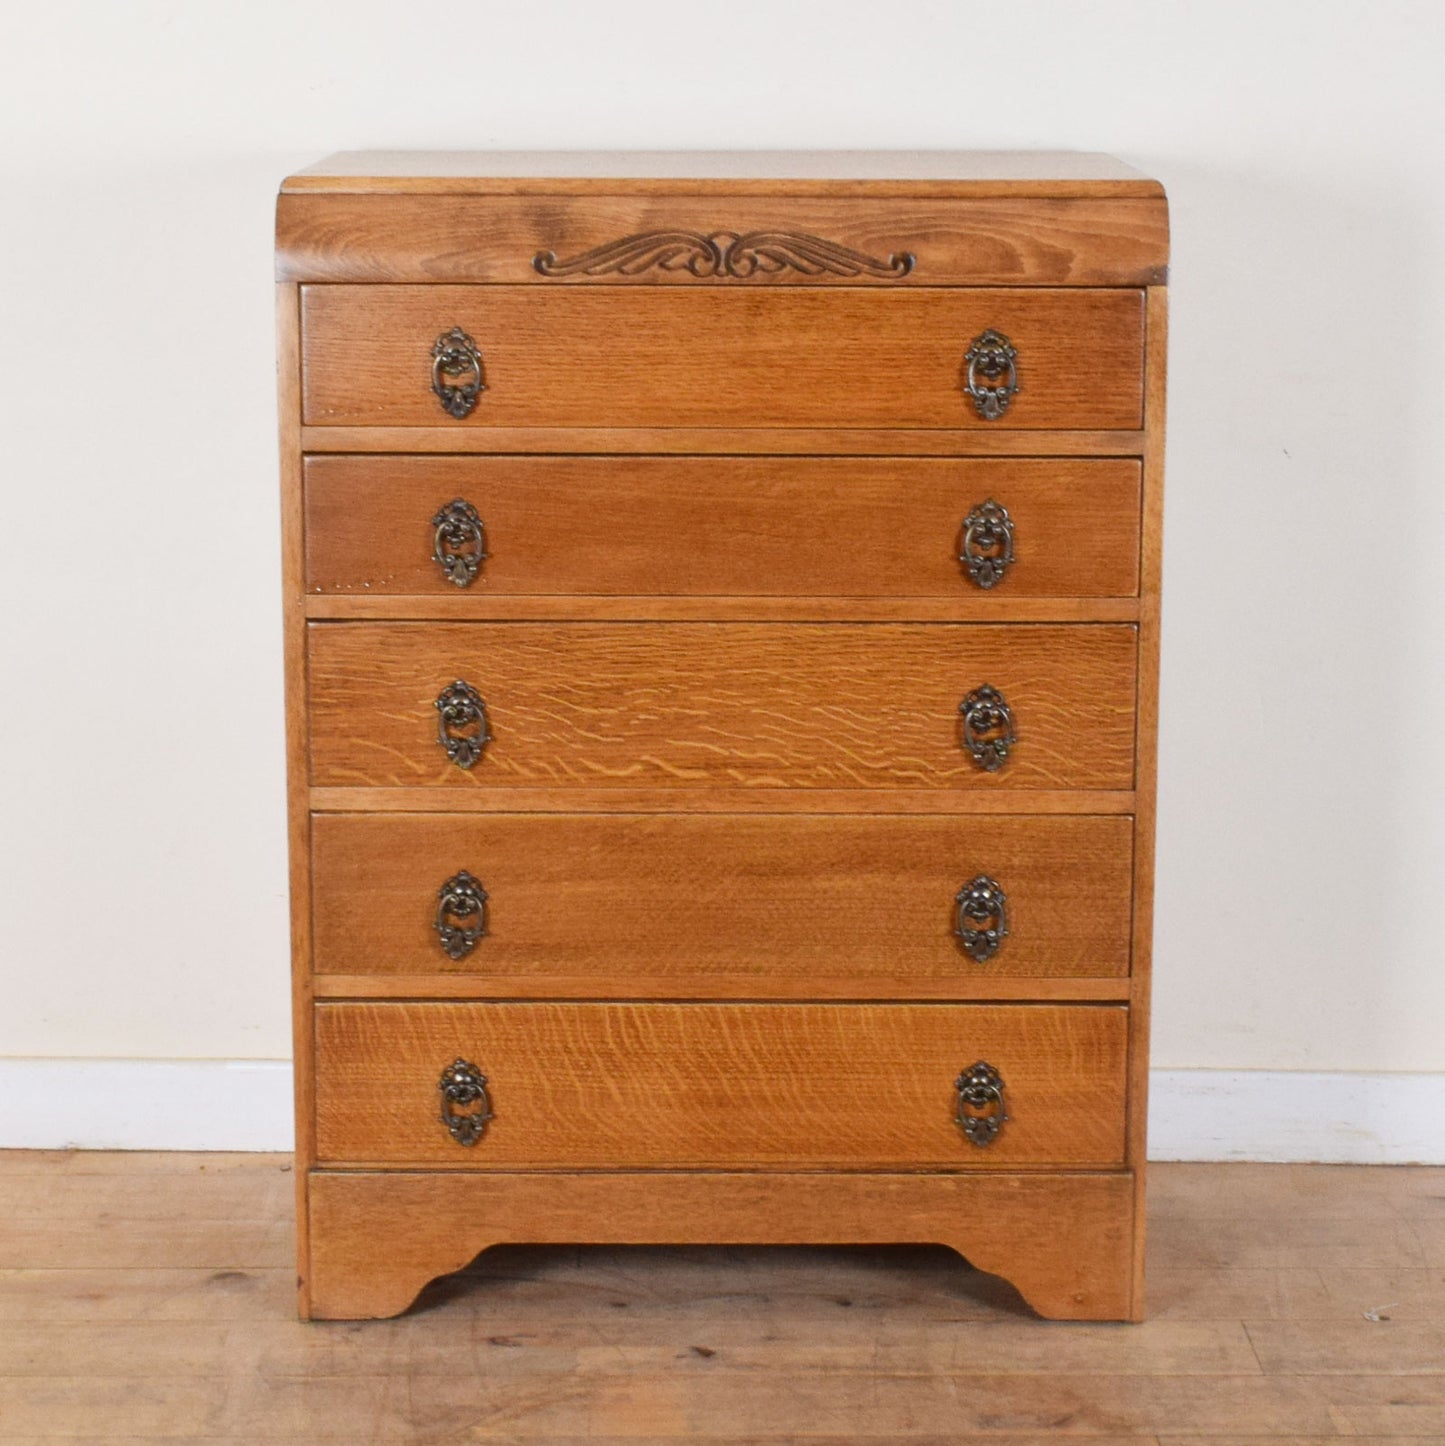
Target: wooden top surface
x=1061, y=174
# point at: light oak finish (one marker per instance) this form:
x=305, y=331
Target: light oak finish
x=646, y=607
x=682, y=905
x=144, y=1298
x=1146, y=754
x=718, y=1086
x=583, y=607
x=1074, y=1270
x=679, y=705
x=721, y=800
x=667, y=356
x=741, y=441
x=836, y=175
x=723, y=635
x=1024, y=988
x=984, y=241
x=721, y=527
x=298, y=832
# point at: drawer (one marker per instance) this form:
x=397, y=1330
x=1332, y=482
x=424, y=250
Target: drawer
x=794, y=1086
x=655, y=906
x=754, y=705
x=718, y=526
x=673, y=357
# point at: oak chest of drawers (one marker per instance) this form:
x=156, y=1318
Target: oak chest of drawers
x=721, y=623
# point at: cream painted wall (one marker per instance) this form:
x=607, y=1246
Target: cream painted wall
x=1303, y=144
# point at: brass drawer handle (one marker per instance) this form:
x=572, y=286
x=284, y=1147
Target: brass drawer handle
x=993, y=358
x=455, y=356
x=987, y=550
x=460, y=542
x=462, y=728
x=981, y=918
x=461, y=917
x=463, y=1084
x=988, y=727
x=982, y=1113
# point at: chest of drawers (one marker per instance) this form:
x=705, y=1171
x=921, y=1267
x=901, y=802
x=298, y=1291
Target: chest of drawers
x=721, y=632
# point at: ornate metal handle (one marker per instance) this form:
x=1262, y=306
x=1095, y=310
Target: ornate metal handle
x=988, y=727
x=981, y=920
x=982, y=1113
x=987, y=550
x=455, y=355
x=463, y=1084
x=461, y=541
x=461, y=915
x=461, y=708
x=993, y=358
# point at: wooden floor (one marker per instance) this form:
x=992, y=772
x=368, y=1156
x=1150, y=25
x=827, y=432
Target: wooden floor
x=148, y=1297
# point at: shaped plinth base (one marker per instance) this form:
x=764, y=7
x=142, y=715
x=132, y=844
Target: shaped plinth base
x=377, y=1238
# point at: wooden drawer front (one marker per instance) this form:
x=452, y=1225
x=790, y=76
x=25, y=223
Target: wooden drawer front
x=675, y=1085
x=657, y=526
x=672, y=357
x=679, y=705
x=675, y=906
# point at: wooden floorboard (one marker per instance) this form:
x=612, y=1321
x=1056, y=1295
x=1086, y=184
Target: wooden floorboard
x=148, y=1298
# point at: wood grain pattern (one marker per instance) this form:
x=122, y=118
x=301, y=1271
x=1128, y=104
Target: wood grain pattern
x=1023, y=989
x=731, y=441
x=721, y=526
x=620, y=608
x=1146, y=752
x=1063, y=1239
x=684, y=705
x=695, y=906
x=680, y=357
x=723, y=799
x=766, y=1086
x=1019, y=1347
x=833, y=174
x=141, y=1315
x=754, y=624
x=298, y=817
x=984, y=241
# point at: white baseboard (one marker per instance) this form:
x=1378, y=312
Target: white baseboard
x=1343, y=1119
x=145, y=1104
x=1194, y=1114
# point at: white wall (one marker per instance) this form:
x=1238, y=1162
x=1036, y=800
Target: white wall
x=1303, y=145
